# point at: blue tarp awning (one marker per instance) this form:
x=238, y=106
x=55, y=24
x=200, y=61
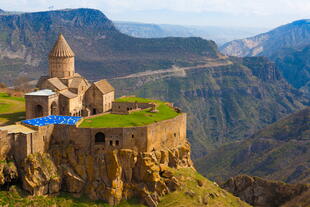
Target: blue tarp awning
x=48, y=120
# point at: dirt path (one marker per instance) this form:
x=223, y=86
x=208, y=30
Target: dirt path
x=178, y=70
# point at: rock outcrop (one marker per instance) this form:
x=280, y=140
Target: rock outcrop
x=264, y=193
x=110, y=176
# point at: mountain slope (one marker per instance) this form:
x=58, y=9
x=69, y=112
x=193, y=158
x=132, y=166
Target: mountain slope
x=224, y=103
x=25, y=40
x=280, y=151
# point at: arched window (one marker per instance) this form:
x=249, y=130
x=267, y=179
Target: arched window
x=54, y=108
x=100, y=137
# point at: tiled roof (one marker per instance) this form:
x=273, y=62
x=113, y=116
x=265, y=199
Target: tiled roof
x=68, y=94
x=57, y=83
x=61, y=48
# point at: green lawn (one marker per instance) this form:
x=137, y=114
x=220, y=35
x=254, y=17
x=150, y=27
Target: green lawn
x=139, y=118
x=12, y=109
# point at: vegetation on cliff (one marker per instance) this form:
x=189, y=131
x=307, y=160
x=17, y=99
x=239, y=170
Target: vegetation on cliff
x=281, y=151
x=195, y=190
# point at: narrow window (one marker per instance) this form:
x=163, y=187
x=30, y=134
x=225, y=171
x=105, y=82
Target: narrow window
x=116, y=142
x=175, y=134
x=132, y=136
x=111, y=142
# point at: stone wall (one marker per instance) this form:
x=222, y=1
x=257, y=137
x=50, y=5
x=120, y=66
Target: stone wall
x=162, y=135
x=167, y=134
x=128, y=107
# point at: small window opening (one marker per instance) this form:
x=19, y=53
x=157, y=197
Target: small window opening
x=100, y=137
x=132, y=136
x=117, y=142
x=111, y=143
x=175, y=134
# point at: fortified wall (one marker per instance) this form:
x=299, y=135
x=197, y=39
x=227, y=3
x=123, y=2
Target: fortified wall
x=26, y=138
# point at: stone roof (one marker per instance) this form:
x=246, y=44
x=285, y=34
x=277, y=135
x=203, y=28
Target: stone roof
x=76, y=82
x=57, y=83
x=17, y=129
x=104, y=86
x=68, y=94
x=45, y=92
x=61, y=48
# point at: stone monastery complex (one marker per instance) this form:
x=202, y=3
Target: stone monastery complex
x=67, y=109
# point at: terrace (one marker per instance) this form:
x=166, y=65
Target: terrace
x=137, y=118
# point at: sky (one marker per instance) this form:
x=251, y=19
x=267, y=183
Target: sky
x=225, y=13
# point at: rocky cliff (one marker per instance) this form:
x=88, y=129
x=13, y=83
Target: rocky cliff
x=265, y=193
x=110, y=176
x=158, y=178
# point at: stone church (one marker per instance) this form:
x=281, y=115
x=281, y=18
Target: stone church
x=65, y=92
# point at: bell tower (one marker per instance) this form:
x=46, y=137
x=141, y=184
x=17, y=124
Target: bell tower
x=61, y=59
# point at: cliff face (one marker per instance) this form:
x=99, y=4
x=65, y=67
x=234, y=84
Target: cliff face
x=259, y=192
x=110, y=176
x=159, y=178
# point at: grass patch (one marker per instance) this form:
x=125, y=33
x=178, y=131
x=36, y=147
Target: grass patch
x=18, y=198
x=139, y=118
x=136, y=99
x=12, y=109
x=215, y=195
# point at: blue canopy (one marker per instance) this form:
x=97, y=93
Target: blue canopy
x=48, y=120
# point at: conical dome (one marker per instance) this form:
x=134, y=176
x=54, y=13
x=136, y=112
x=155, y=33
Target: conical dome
x=61, y=48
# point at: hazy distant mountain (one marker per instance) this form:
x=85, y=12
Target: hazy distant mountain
x=218, y=34
x=288, y=46
x=294, y=35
